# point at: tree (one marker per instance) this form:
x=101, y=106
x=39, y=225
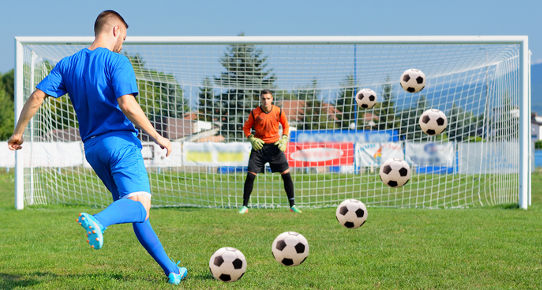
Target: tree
x=209, y=107
x=160, y=95
x=246, y=74
x=385, y=109
x=6, y=110
x=346, y=103
x=462, y=124
x=409, y=117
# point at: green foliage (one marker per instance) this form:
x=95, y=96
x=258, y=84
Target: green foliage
x=346, y=103
x=245, y=74
x=409, y=117
x=160, y=95
x=462, y=124
x=385, y=109
x=7, y=109
x=538, y=144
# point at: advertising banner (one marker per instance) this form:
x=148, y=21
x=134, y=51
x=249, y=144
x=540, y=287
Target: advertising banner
x=216, y=154
x=319, y=154
x=373, y=154
x=344, y=136
x=429, y=157
x=494, y=157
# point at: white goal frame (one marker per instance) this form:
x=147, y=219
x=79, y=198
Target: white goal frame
x=524, y=78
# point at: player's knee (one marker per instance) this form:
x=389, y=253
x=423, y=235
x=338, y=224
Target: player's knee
x=287, y=171
x=251, y=176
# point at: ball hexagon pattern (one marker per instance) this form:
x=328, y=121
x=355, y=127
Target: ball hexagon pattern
x=290, y=248
x=351, y=213
x=433, y=122
x=395, y=172
x=413, y=80
x=228, y=264
x=366, y=98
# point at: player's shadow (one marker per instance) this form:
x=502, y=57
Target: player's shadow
x=10, y=281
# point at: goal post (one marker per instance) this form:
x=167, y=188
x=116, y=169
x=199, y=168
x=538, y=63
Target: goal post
x=197, y=91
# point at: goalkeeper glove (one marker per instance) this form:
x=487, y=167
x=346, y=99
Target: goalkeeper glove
x=282, y=142
x=256, y=143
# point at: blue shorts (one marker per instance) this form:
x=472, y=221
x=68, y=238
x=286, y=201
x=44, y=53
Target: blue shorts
x=116, y=158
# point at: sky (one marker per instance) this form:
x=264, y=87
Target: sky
x=277, y=17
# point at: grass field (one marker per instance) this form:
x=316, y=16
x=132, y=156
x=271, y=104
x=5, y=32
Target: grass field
x=497, y=247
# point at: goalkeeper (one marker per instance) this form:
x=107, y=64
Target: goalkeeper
x=102, y=87
x=267, y=146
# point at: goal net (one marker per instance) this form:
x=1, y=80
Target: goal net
x=198, y=92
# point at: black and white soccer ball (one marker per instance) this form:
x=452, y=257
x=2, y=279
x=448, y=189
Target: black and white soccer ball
x=366, y=98
x=395, y=172
x=413, y=80
x=433, y=122
x=351, y=213
x=290, y=248
x=228, y=264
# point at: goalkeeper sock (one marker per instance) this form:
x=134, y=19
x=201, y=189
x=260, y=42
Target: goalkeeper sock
x=122, y=211
x=148, y=239
x=247, y=190
x=289, y=187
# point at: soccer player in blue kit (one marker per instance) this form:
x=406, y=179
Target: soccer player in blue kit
x=102, y=87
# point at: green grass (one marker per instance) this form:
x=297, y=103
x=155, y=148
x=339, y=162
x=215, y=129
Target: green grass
x=497, y=247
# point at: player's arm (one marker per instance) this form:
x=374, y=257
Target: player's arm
x=29, y=110
x=256, y=143
x=130, y=107
x=283, y=141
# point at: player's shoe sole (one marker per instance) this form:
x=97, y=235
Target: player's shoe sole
x=93, y=230
x=175, y=279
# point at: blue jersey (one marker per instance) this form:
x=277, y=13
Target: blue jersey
x=94, y=79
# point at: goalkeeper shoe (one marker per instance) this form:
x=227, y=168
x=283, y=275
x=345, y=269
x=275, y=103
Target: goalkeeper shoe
x=93, y=229
x=295, y=209
x=243, y=210
x=174, y=278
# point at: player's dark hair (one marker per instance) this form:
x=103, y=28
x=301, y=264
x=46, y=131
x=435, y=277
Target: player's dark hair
x=103, y=17
x=265, y=92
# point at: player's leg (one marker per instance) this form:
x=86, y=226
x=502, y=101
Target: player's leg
x=279, y=163
x=120, y=211
x=247, y=190
x=108, y=159
x=149, y=240
x=133, y=185
x=255, y=166
x=289, y=188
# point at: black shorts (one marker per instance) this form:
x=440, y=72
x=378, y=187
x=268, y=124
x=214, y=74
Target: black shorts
x=269, y=153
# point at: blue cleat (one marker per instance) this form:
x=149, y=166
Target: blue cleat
x=174, y=278
x=93, y=229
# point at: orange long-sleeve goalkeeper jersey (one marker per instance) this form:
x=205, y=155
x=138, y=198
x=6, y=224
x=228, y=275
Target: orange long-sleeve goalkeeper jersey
x=266, y=125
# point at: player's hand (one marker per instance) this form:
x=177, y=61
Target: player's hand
x=282, y=142
x=256, y=143
x=164, y=143
x=15, y=141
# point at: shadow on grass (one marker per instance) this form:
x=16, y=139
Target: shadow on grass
x=11, y=281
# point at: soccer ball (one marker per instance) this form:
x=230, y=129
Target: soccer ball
x=395, y=172
x=433, y=122
x=366, y=98
x=413, y=80
x=228, y=264
x=290, y=248
x=351, y=213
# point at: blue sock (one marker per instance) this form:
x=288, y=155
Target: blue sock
x=122, y=211
x=146, y=236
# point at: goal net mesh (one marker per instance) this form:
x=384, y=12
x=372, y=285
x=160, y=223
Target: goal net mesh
x=199, y=96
